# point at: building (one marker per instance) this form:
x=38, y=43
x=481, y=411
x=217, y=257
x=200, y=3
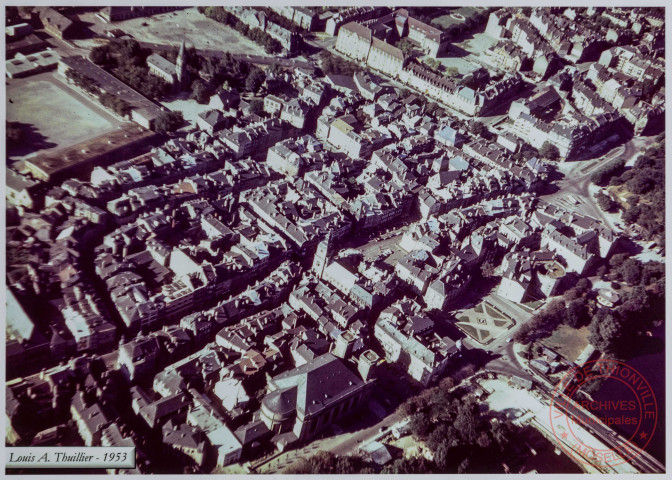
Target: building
x=144, y=111
x=23, y=65
x=116, y=14
x=56, y=24
x=408, y=338
x=137, y=359
x=162, y=68
x=306, y=400
x=20, y=189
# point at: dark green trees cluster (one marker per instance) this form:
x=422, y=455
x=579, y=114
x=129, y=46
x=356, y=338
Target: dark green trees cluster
x=605, y=202
x=127, y=61
x=270, y=44
x=573, y=310
x=602, y=175
x=328, y=463
x=549, y=151
x=82, y=81
x=118, y=105
x=334, y=65
x=461, y=439
x=645, y=182
x=619, y=332
x=168, y=122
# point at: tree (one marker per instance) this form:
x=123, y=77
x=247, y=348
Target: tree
x=451, y=72
x=605, y=202
x=631, y=271
x=606, y=333
x=577, y=313
x=168, y=122
x=420, y=425
x=100, y=55
x=636, y=301
x=464, y=466
x=476, y=127
x=200, y=92
x=549, y=151
x=257, y=106
x=465, y=424
x=487, y=269
x=409, y=465
x=255, y=79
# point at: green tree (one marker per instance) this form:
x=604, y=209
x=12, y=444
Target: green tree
x=200, y=92
x=101, y=55
x=476, y=127
x=255, y=79
x=606, y=333
x=549, y=151
x=631, y=270
x=577, y=313
x=487, y=269
x=465, y=423
x=420, y=425
x=257, y=106
x=409, y=465
x=168, y=122
x=464, y=466
x=605, y=202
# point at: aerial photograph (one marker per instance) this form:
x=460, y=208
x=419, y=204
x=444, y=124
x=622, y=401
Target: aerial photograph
x=335, y=239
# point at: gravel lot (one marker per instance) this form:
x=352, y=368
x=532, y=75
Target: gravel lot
x=196, y=29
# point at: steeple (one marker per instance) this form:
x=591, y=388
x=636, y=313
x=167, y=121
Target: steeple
x=181, y=66
x=322, y=255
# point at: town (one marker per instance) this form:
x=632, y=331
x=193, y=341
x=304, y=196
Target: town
x=346, y=240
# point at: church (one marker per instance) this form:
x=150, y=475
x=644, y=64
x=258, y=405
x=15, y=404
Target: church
x=175, y=74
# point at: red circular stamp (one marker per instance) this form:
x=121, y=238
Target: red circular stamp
x=584, y=428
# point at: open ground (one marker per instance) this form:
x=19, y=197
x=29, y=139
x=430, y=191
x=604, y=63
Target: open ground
x=195, y=28
x=60, y=116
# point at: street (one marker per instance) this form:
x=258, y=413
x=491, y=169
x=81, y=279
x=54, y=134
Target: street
x=577, y=180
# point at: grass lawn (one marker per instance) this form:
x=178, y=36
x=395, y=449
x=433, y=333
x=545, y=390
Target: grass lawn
x=568, y=342
x=494, y=313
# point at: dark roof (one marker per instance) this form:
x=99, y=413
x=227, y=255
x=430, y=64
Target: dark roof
x=154, y=412
x=358, y=29
x=49, y=16
x=320, y=382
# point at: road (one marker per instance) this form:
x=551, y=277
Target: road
x=644, y=462
x=577, y=180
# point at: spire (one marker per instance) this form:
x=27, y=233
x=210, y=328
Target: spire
x=180, y=55
x=181, y=66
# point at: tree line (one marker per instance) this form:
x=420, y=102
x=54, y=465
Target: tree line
x=127, y=60
x=645, y=183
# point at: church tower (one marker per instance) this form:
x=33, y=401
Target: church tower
x=322, y=256
x=181, y=67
